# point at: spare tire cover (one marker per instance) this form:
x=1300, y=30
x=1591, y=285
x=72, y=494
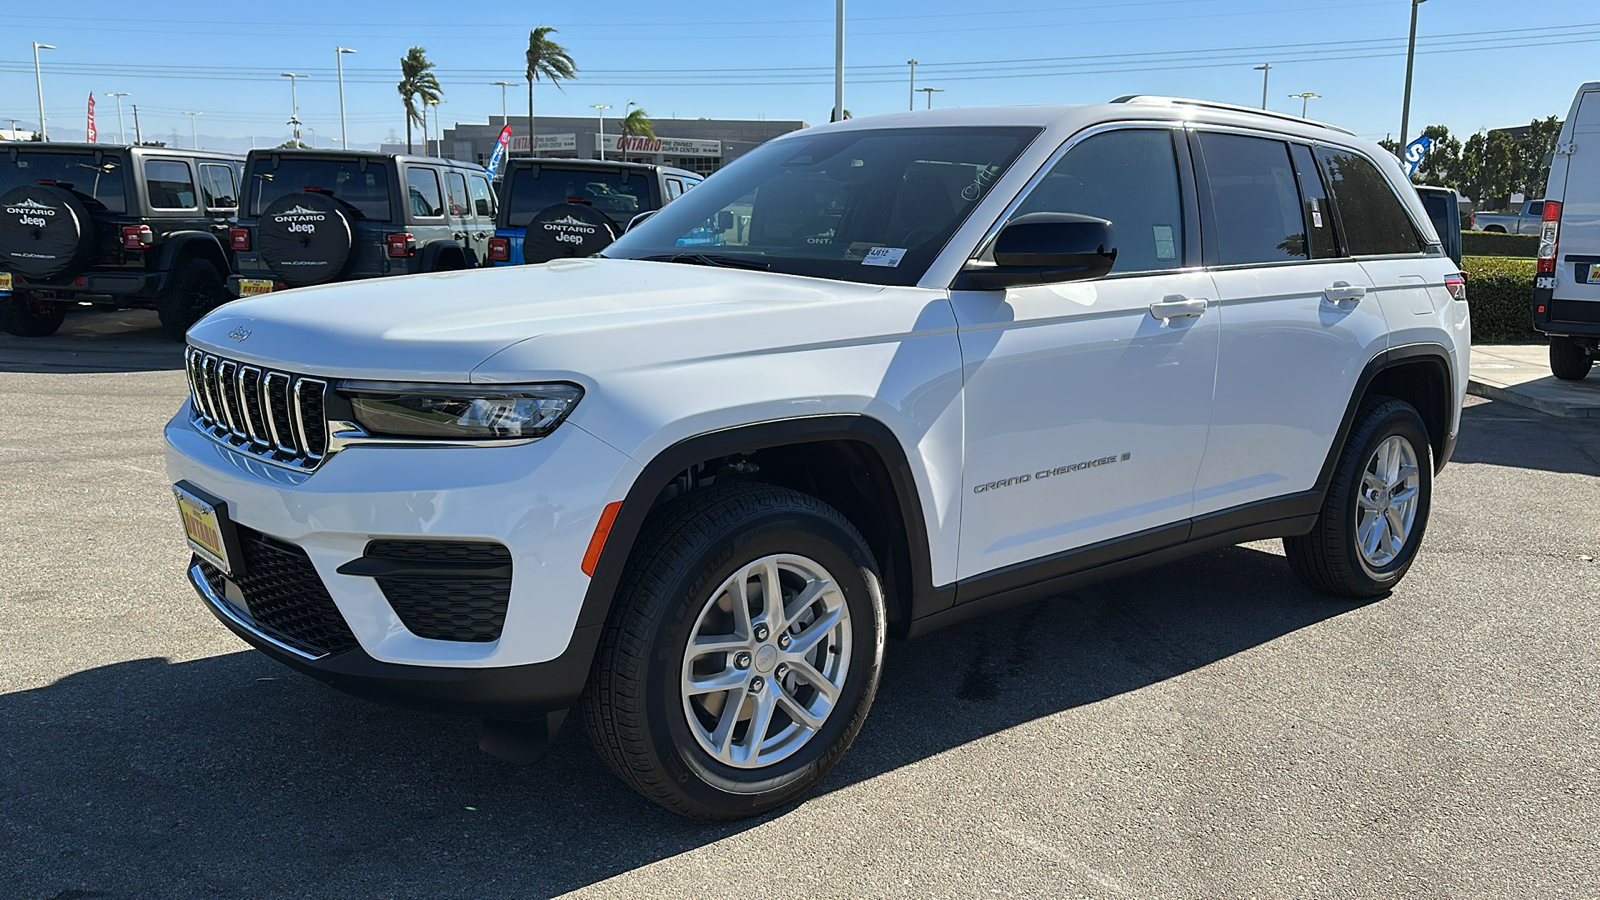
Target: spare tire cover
x=304, y=238
x=45, y=231
x=566, y=230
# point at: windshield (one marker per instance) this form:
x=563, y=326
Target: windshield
x=869, y=206
x=75, y=171
x=620, y=195
x=367, y=193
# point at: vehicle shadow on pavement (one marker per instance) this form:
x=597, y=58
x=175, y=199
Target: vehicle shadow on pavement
x=233, y=776
x=91, y=340
x=1497, y=434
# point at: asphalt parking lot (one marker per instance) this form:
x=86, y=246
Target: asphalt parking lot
x=1211, y=729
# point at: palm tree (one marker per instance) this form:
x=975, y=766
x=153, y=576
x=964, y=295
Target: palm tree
x=549, y=60
x=637, y=122
x=417, y=83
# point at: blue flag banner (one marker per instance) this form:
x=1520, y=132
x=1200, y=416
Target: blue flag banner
x=1415, y=151
x=499, y=151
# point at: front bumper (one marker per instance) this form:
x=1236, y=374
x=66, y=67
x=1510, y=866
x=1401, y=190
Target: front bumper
x=540, y=500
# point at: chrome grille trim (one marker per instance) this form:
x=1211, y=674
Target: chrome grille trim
x=233, y=403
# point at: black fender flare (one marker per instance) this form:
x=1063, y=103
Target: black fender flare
x=433, y=250
x=669, y=463
x=203, y=245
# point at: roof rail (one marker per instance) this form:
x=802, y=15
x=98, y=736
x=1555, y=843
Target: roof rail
x=1230, y=107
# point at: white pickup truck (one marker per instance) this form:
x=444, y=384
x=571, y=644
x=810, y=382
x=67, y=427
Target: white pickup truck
x=1524, y=221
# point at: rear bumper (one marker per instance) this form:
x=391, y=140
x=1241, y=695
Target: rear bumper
x=132, y=285
x=1565, y=318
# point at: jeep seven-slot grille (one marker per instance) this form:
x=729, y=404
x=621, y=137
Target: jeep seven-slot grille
x=270, y=414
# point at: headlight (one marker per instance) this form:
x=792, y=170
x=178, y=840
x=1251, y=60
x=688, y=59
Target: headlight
x=459, y=412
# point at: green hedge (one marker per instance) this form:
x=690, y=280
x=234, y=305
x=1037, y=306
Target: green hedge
x=1500, y=293
x=1490, y=243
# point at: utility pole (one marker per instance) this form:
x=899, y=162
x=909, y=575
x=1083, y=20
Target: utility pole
x=503, y=85
x=838, y=61
x=1411, y=53
x=913, y=64
x=122, y=133
x=38, y=81
x=930, y=92
x=194, y=137
x=294, y=103
x=338, y=55
x=138, y=137
x=600, y=115
x=1265, y=69
x=1304, y=98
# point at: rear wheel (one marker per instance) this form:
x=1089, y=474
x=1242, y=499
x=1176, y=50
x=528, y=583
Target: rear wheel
x=25, y=316
x=196, y=288
x=1569, y=360
x=743, y=654
x=1376, y=508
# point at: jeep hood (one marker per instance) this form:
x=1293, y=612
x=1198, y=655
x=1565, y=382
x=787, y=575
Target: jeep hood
x=439, y=327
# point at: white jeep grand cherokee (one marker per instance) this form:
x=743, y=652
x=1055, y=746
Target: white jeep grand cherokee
x=874, y=377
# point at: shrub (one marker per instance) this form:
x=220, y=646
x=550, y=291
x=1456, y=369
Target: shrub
x=1500, y=293
x=1489, y=243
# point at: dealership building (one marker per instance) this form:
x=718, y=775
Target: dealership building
x=699, y=145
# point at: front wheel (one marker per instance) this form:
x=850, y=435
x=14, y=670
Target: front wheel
x=742, y=655
x=1569, y=360
x=25, y=316
x=1376, y=507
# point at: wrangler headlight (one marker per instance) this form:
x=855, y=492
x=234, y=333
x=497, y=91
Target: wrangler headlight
x=459, y=412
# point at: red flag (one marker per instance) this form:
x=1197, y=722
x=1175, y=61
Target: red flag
x=91, y=117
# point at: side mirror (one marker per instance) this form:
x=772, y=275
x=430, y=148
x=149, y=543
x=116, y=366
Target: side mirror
x=639, y=218
x=1045, y=248
x=724, y=220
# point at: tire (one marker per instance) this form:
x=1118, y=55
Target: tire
x=566, y=231
x=1569, y=360
x=196, y=288
x=24, y=316
x=659, y=738
x=305, y=238
x=1331, y=558
x=46, y=231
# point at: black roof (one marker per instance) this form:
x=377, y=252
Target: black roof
x=81, y=147
x=319, y=153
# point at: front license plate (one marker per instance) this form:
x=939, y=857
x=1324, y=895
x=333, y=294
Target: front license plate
x=5, y=282
x=249, y=286
x=203, y=526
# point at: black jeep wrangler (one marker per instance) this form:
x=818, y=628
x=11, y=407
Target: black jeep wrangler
x=318, y=216
x=119, y=226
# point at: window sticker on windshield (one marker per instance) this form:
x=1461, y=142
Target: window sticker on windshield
x=1166, y=247
x=1316, y=213
x=884, y=256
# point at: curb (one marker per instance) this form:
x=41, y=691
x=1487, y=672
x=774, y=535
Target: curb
x=1557, y=408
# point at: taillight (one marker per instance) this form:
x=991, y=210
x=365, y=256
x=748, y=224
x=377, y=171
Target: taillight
x=1456, y=284
x=401, y=245
x=239, y=238
x=1472, y=222
x=136, y=237
x=499, y=249
x=1549, y=237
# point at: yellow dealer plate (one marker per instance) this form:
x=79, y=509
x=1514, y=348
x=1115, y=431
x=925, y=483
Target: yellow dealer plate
x=202, y=525
x=249, y=286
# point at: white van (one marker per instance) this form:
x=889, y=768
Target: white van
x=1566, y=296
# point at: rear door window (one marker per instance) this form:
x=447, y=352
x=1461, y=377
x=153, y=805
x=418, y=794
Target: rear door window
x=457, y=184
x=1321, y=240
x=674, y=189
x=168, y=184
x=363, y=191
x=1375, y=223
x=99, y=179
x=1255, y=202
x=482, y=197
x=1129, y=178
x=422, y=192
x=216, y=186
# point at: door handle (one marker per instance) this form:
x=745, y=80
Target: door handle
x=1340, y=291
x=1178, y=308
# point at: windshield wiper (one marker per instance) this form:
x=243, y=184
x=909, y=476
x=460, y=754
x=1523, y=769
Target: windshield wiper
x=705, y=259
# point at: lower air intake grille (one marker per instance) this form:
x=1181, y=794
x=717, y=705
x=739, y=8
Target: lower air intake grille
x=286, y=598
x=447, y=590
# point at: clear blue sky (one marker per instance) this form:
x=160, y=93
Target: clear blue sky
x=1481, y=63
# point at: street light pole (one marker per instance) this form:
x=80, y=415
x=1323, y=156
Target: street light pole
x=1411, y=53
x=338, y=55
x=838, y=61
x=122, y=132
x=294, y=102
x=1304, y=98
x=503, y=85
x=913, y=96
x=930, y=92
x=194, y=136
x=313, y=130
x=1265, y=69
x=38, y=81
x=600, y=116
